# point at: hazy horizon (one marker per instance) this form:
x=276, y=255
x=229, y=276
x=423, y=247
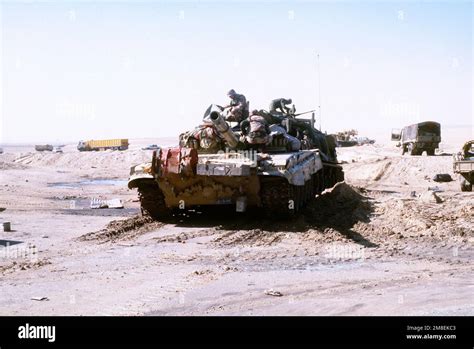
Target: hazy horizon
x=91, y=70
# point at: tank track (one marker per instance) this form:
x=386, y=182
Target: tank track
x=280, y=198
x=275, y=194
x=152, y=200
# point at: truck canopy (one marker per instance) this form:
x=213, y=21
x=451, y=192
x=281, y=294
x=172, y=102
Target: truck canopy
x=427, y=128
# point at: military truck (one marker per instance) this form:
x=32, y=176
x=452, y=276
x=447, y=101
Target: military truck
x=417, y=138
x=44, y=147
x=464, y=165
x=231, y=172
x=103, y=144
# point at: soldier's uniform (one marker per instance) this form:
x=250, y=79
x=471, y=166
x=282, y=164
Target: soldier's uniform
x=238, y=107
x=256, y=129
x=204, y=137
x=279, y=105
x=294, y=144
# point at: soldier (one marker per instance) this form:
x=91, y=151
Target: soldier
x=279, y=105
x=238, y=107
x=294, y=144
x=203, y=137
x=255, y=128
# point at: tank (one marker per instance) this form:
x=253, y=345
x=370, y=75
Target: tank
x=464, y=165
x=229, y=171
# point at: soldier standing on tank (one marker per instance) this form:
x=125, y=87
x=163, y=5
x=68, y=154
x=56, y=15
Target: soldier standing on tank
x=238, y=107
x=279, y=105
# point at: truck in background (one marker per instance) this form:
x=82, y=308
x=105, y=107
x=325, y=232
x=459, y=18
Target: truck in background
x=104, y=144
x=417, y=138
x=44, y=147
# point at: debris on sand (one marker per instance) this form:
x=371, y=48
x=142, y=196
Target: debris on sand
x=382, y=171
x=431, y=197
x=273, y=293
x=435, y=189
x=40, y=299
x=442, y=177
x=340, y=206
x=122, y=229
x=113, y=203
x=23, y=265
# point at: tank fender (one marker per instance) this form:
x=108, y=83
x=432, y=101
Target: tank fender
x=139, y=173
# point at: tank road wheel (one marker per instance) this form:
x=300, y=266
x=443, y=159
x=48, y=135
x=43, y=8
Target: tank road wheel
x=308, y=190
x=318, y=182
x=152, y=200
x=340, y=175
x=465, y=185
x=301, y=198
x=315, y=186
x=327, y=177
x=297, y=197
x=278, y=197
x=321, y=181
x=334, y=177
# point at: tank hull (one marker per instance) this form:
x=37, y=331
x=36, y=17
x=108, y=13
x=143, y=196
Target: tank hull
x=279, y=183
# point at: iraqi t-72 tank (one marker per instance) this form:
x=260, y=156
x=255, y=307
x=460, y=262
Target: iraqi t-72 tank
x=216, y=165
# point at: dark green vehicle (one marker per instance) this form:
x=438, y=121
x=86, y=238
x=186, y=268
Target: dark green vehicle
x=417, y=138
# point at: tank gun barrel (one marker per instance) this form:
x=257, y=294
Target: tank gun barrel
x=224, y=129
x=306, y=112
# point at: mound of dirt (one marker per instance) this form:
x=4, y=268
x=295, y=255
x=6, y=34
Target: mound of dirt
x=123, y=229
x=411, y=171
x=24, y=265
x=332, y=214
x=339, y=207
x=442, y=220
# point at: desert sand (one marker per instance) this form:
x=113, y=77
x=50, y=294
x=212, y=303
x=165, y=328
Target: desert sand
x=379, y=244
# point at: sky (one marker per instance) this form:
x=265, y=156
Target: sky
x=101, y=69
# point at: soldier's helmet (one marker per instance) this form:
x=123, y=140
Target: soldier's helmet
x=231, y=93
x=289, y=100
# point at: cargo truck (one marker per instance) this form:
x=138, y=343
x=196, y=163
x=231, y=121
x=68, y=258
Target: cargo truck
x=44, y=147
x=417, y=138
x=104, y=144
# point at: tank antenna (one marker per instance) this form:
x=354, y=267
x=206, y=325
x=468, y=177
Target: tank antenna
x=319, y=90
